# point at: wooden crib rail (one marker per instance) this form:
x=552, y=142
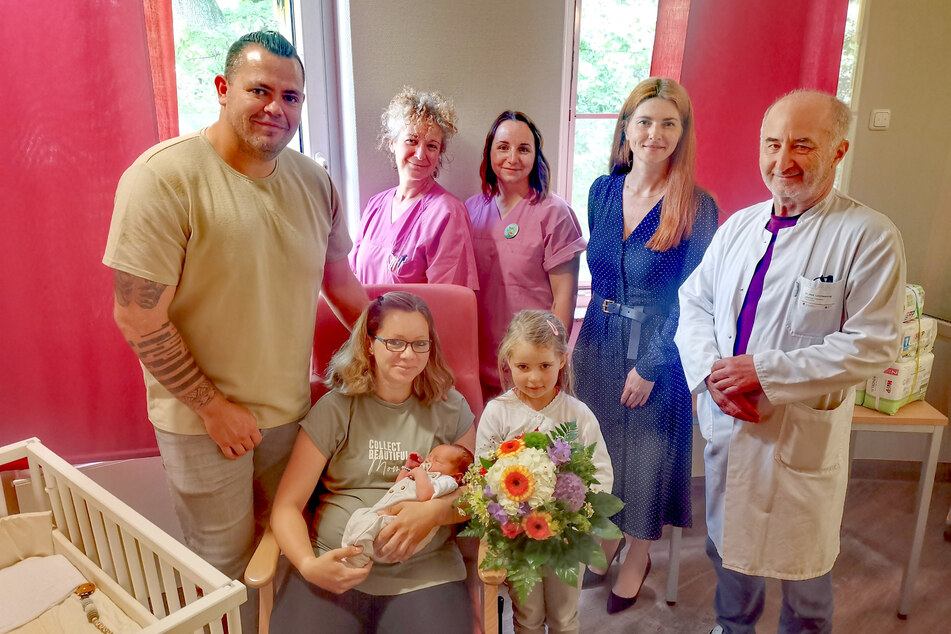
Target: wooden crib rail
x=181, y=590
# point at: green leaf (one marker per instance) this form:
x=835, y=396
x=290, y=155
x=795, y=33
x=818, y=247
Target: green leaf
x=486, y=463
x=604, y=528
x=523, y=579
x=567, y=431
x=492, y=561
x=568, y=574
x=605, y=503
x=590, y=552
x=472, y=530
x=537, y=552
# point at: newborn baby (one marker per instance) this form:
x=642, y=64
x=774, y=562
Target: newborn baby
x=436, y=476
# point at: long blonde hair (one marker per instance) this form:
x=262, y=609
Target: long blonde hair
x=352, y=369
x=541, y=329
x=679, y=208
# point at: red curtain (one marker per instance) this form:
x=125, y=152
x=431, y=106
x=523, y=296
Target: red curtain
x=670, y=36
x=737, y=58
x=161, y=46
x=77, y=108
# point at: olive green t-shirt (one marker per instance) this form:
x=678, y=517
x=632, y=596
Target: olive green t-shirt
x=366, y=440
x=247, y=256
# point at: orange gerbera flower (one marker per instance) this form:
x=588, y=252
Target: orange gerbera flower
x=510, y=447
x=518, y=483
x=536, y=525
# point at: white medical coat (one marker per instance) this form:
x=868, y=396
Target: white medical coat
x=776, y=489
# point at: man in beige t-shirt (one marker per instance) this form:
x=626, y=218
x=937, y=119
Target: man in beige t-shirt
x=219, y=242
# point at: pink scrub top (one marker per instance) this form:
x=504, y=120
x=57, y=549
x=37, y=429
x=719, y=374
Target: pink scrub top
x=514, y=256
x=431, y=242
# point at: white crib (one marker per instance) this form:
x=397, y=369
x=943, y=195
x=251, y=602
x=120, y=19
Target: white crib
x=154, y=579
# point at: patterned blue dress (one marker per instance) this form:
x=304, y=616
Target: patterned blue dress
x=650, y=446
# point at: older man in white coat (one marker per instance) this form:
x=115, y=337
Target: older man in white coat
x=797, y=299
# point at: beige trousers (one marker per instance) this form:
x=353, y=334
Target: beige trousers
x=552, y=602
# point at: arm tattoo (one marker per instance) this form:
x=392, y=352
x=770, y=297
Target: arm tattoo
x=163, y=351
x=167, y=358
x=123, y=285
x=197, y=398
x=129, y=288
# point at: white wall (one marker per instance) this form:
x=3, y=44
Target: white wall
x=905, y=172
x=488, y=56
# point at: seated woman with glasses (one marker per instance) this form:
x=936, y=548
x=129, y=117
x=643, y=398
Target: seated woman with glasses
x=391, y=395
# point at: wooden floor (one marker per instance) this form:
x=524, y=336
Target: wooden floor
x=876, y=540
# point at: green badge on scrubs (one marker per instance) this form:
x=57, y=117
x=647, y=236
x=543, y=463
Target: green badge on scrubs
x=511, y=231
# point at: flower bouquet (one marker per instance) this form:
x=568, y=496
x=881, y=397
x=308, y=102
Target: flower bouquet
x=531, y=502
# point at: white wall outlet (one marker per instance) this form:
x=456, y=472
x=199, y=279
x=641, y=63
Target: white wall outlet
x=879, y=119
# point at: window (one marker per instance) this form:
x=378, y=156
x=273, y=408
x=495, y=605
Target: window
x=613, y=45
x=850, y=53
x=849, y=70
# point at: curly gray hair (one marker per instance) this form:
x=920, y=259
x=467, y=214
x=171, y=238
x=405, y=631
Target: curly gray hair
x=410, y=106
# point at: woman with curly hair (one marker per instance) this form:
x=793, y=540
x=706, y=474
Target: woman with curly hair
x=416, y=232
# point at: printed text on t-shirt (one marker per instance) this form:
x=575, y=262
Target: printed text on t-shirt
x=385, y=456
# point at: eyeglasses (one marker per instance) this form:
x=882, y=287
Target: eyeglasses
x=398, y=345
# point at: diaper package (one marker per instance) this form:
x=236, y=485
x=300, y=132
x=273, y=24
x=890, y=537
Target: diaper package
x=860, y=392
x=914, y=301
x=899, y=384
x=917, y=337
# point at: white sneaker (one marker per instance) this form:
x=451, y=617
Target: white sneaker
x=717, y=630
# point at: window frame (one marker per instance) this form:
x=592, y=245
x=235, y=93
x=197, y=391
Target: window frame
x=330, y=110
x=844, y=172
x=570, y=115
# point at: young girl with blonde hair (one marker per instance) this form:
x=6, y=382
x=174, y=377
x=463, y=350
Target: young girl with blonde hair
x=535, y=349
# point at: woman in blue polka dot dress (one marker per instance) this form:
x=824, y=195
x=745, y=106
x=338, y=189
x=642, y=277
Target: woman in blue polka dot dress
x=650, y=226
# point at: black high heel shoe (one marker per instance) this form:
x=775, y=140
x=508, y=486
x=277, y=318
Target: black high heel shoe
x=619, y=604
x=592, y=579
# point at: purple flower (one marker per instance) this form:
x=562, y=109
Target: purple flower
x=495, y=510
x=487, y=492
x=570, y=489
x=524, y=509
x=560, y=452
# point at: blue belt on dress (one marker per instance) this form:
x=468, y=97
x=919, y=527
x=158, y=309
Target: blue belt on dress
x=637, y=315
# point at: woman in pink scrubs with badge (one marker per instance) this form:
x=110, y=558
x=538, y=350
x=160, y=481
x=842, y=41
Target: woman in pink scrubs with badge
x=527, y=239
x=416, y=232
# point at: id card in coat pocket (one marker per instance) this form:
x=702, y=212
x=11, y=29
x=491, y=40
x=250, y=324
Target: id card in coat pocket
x=817, y=307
